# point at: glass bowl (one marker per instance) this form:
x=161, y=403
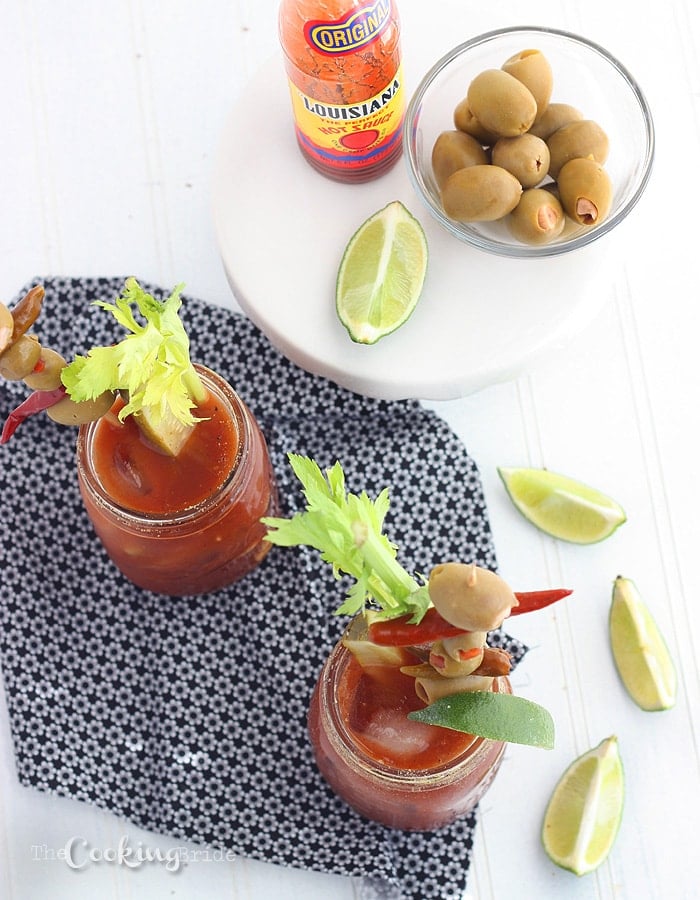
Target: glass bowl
x=585, y=76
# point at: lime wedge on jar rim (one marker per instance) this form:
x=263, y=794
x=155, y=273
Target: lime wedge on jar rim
x=584, y=812
x=639, y=650
x=561, y=506
x=381, y=274
x=498, y=717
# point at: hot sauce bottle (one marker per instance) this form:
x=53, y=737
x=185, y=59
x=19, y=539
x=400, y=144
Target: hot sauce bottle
x=343, y=62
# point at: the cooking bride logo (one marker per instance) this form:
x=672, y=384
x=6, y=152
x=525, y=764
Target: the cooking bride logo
x=78, y=853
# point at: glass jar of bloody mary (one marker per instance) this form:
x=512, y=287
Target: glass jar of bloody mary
x=390, y=769
x=184, y=524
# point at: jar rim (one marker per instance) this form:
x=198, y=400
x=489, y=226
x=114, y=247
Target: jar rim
x=358, y=758
x=99, y=496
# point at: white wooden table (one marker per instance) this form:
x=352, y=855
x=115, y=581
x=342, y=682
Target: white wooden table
x=111, y=115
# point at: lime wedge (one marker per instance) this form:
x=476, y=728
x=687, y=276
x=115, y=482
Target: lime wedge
x=584, y=812
x=499, y=717
x=562, y=507
x=639, y=650
x=381, y=274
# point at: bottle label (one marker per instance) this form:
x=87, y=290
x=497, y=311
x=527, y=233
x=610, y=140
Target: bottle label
x=350, y=136
x=348, y=35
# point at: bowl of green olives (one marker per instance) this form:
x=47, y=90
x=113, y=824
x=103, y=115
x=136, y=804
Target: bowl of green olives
x=529, y=141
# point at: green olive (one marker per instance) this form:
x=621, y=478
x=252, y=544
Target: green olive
x=554, y=117
x=532, y=68
x=585, y=190
x=469, y=596
x=455, y=150
x=480, y=194
x=577, y=139
x=450, y=667
x=7, y=326
x=465, y=120
x=68, y=412
x=20, y=358
x=46, y=374
x=460, y=645
x=538, y=218
x=501, y=103
x=525, y=156
x=525, y=144
x=463, y=646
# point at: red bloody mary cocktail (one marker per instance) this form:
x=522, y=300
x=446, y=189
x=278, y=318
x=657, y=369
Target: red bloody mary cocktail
x=410, y=714
x=184, y=524
x=396, y=771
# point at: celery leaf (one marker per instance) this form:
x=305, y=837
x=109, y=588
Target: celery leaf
x=151, y=364
x=347, y=530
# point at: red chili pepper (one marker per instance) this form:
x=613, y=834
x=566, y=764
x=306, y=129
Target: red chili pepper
x=35, y=402
x=529, y=601
x=401, y=633
x=432, y=627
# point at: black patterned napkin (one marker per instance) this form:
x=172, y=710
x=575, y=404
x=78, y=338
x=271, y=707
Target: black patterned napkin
x=165, y=710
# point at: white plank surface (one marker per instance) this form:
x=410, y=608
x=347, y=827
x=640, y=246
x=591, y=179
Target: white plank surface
x=111, y=115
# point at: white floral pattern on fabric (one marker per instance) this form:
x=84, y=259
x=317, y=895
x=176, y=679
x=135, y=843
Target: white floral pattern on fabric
x=162, y=710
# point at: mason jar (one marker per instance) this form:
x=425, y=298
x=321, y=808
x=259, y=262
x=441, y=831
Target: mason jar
x=187, y=524
x=400, y=791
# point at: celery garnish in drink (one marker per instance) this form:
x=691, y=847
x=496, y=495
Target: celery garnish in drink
x=465, y=602
x=151, y=366
x=347, y=529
